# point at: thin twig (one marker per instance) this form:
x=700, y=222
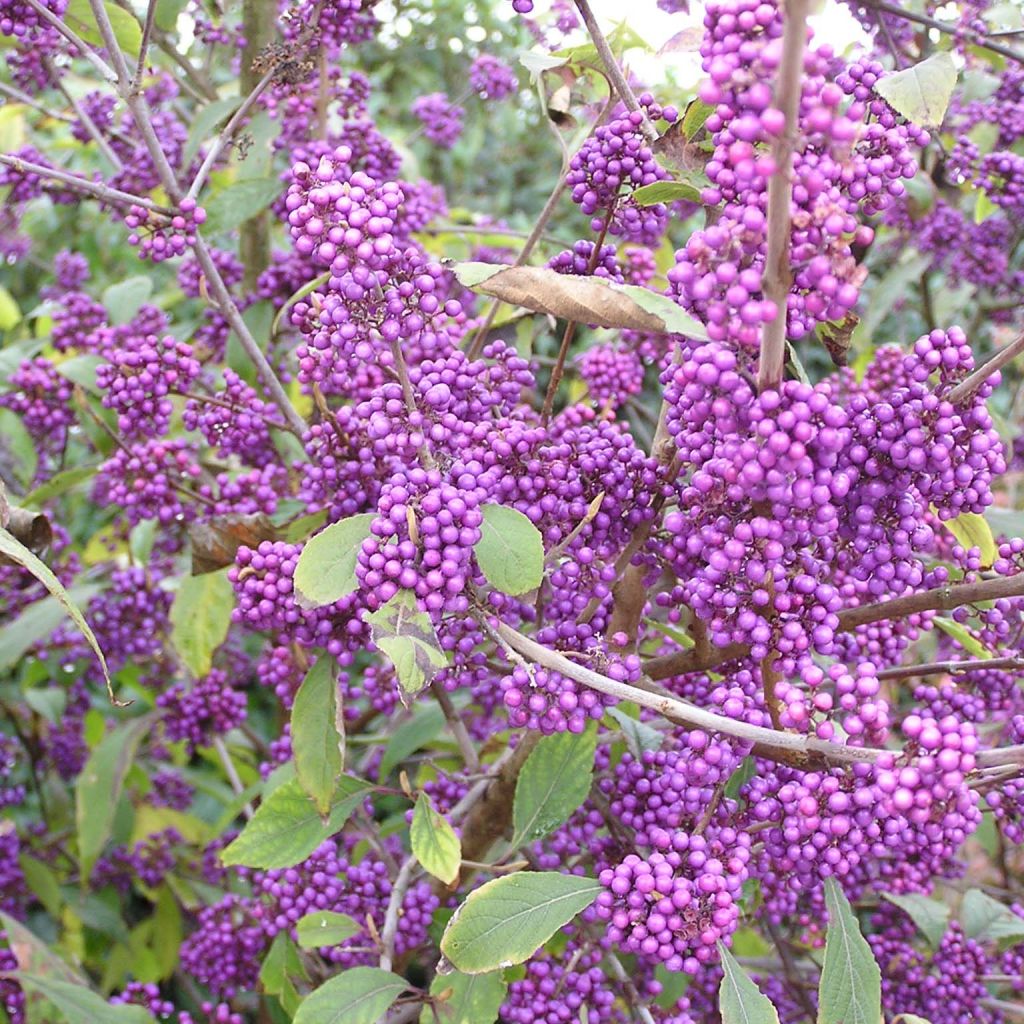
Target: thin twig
x=636, y=1003
x=234, y=407
x=571, y=327
x=390, y=929
x=90, y=54
x=977, y=38
x=93, y=188
x=545, y=215
x=966, y=388
x=228, y=132
x=618, y=79
x=778, y=274
x=458, y=728
x=219, y=292
x=88, y=123
x=147, y=33
x=479, y=788
x=938, y=599
x=23, y=97
x=232, y=773
x=951, y=668
x=767, y=742
x=998, y=765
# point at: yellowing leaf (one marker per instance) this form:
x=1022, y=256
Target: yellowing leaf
x=921, y=93
x=973, y=531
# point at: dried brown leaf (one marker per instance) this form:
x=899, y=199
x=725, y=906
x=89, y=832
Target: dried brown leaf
x=215, y=541
x=588, y=300
x=836, y=338
x=677, y=152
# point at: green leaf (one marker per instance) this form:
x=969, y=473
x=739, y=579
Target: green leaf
x=204, y=124
x=671, y=191
x=1005, y=522
x=19, y=449
x=326, y=570
x=167, y=932
x=639, y=736
x=42, y=880
x=740, y=1001
x=983, y=207
x=125, y=298
x=973, y=531
x=743, y=772
x=510, y=551
x=909, y=1018
x=851, y=983
x=126, y=28
x=620, y=39
x=287, y=828
x=406, y=635
x=554, y=781
x=315, y=739
x=471, y=998
x=424, y=726
x=167, y=12
x=325, y=928
x=99, y=785
x=57, y=485
x=963, y=636
x=921, y=94
x=10, y=314
x=258, y=318
x=81, y=370
x=13, y=355
x=233, y=206
x=280, y=965
x=930, y=916
x=200, y=619
x=80, y=1005
x=672, y=316
x=434, y=842
x=891, y=288
x=37, y=622
x=694, y=117
x=537, y=62
x=507, y=920
x=988, y=920
x=20, y=555
x=34, y=955
x=358, y=996
x=301, y=293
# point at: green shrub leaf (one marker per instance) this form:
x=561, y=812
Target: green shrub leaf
x=325, y=928
x=99, y=785
x=471, y=999
x=326, y=571
x=316, y=741
x=200, y=619
x=930, y=916
x=358, y=996
x=510, y=551
x=406, y=635
x=554, y=781
x=851, y=983
x=434, y=842
x=287, y=828
x=740, y=1001
x=921, y=93
x=507, y=920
